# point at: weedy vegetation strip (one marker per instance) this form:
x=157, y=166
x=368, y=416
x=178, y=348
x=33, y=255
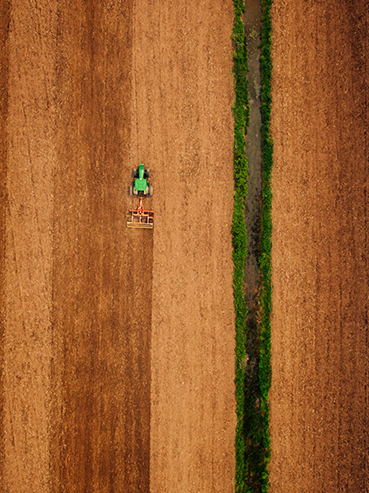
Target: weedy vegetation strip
x=241, y=119
x=265, y=371
x=252, y=437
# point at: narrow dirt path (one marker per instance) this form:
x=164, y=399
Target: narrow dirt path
x=319, y=397
x=4, y=83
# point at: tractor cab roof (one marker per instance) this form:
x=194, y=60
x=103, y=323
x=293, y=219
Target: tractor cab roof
x=140, y=184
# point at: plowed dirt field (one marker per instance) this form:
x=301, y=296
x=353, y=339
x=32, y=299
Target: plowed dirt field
x=319, y=400
x=117, y=345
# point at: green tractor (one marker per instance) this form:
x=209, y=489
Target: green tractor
x=140, y=217
x=140, y=185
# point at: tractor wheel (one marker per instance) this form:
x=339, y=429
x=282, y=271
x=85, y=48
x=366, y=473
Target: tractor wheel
x=131, y=189
x=135, y=173
x=150, y=190
x=147, y=174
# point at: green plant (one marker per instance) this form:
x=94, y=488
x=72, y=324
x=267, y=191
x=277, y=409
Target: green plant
x=239, y=235
x=265, y=372
x=252, y=388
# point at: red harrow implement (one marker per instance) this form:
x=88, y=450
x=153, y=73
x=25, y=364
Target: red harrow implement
x=140, y=218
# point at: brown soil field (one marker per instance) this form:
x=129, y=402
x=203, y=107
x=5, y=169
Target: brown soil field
x=182, y=122
x=319, y=398
x=117, y=345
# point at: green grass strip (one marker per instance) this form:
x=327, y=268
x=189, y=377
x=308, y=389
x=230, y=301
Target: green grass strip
x=252, y=395
x=241, y=118
x=265, y=371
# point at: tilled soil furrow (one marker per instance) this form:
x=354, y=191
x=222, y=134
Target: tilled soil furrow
x=318, y=403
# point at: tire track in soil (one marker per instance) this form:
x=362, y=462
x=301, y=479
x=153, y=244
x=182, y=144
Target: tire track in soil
x=4, y=79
